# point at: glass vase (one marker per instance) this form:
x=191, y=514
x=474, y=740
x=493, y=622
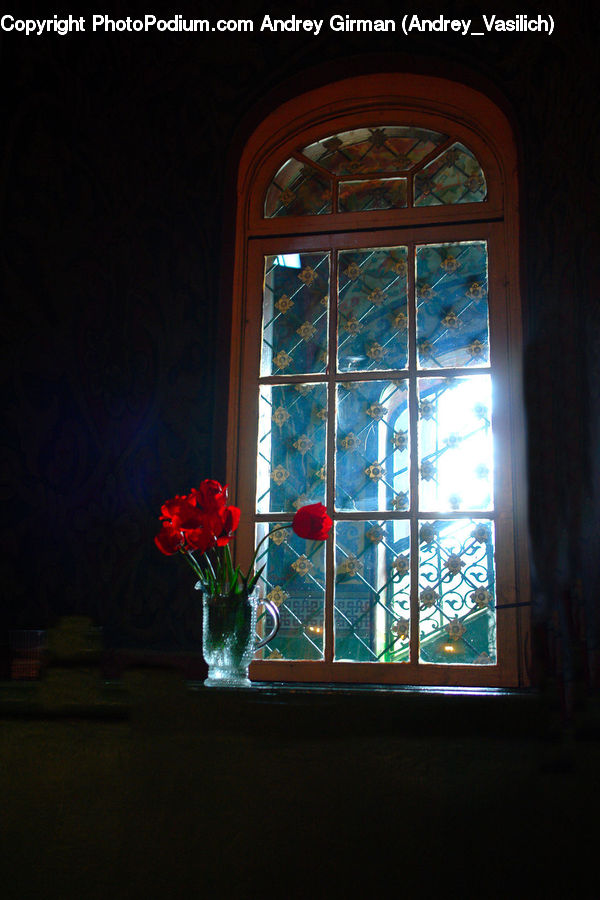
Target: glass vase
x=229, y=639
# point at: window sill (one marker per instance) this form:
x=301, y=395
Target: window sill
x=294, y=710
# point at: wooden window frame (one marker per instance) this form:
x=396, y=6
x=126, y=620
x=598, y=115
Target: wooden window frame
x=474, y=120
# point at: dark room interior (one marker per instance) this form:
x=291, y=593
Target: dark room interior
x=121, y=774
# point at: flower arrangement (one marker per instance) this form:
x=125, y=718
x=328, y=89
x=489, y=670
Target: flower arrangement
x=203, y=522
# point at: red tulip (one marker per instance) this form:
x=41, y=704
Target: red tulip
x=312, y=522
x=211, y=496
x=169, y=539
x=181, y=510
x=230, y=519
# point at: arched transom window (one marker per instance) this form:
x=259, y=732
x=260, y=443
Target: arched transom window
x=387, y=167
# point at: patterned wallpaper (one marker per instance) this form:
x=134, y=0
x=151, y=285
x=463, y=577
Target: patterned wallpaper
x=114, y=181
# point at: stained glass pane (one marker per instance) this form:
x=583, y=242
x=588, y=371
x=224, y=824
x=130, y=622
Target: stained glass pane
x=291, y=446
x=372, y=455
x=372, y=591
x=380, y=193
x=298, y=190
x=389, y=148
x=454, y=177
x=372, y=311
x=455, y=443
x=452, y=306
x=295, y=304
x=293, y=579
x=457, y=618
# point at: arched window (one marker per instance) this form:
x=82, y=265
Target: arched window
x=376, y=369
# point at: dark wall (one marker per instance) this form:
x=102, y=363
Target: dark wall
x=116, y=184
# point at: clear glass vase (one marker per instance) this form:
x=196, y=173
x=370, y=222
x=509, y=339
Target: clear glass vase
x=229, y=639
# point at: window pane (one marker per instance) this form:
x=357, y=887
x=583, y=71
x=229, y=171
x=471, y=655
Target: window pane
x=372, y=591
x=298, y=190
x=390, y=148
x=295, y=303
x=380, y=193
x=372, y=313
x=454, y=177
x=291, y=446
x=455, y=443
x=452, y=308
x=372, y=456
x=294, y=580
x=456, y=592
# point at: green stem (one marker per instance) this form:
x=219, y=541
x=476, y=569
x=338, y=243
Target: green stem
x=192, y=562
x=210, y=566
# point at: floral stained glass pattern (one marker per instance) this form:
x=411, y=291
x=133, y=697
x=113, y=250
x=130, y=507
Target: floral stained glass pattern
x=455, y=443
x=457, y=617
x=291, y=446
x=390, y=148
x=454, y=177
x=372, y=453
x=372, y=591
x=372, y=309
x=298, y=190
x=391, y=154
x=452, y=306
x=381, y=193
x=295, y=314
x=293, y=579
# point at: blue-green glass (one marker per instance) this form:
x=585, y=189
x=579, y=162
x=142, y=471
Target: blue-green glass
x=452, y=304
x=372, y=309
x=295, y=307
x=372, y=446
x=372, y=591
x=455, y=443
x=293, y=579
x=291, y=446
x=457, y=618
x=454, y=177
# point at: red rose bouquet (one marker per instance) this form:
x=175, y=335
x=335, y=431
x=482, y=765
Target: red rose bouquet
x=203, y=522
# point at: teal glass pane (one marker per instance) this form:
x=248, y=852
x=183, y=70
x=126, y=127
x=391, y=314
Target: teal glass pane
x=380, y=193
x=455, y=443
x=298, y=190
x=293, y=579
x=454, y=177
x=372, y=591
x=387, y=148
x=372, y=310
x=452, y=305
x=457, y=618
x=372, y=446
x=295, y=305
x=291, y=446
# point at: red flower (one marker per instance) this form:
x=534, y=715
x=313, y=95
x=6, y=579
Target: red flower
x=230, y=519
x=198, y=521
x=210, y=496
x=169, y=539
x=312, y=522
x=201, y=538
x=181, y=510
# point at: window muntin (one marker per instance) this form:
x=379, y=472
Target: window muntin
x=407, y=167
